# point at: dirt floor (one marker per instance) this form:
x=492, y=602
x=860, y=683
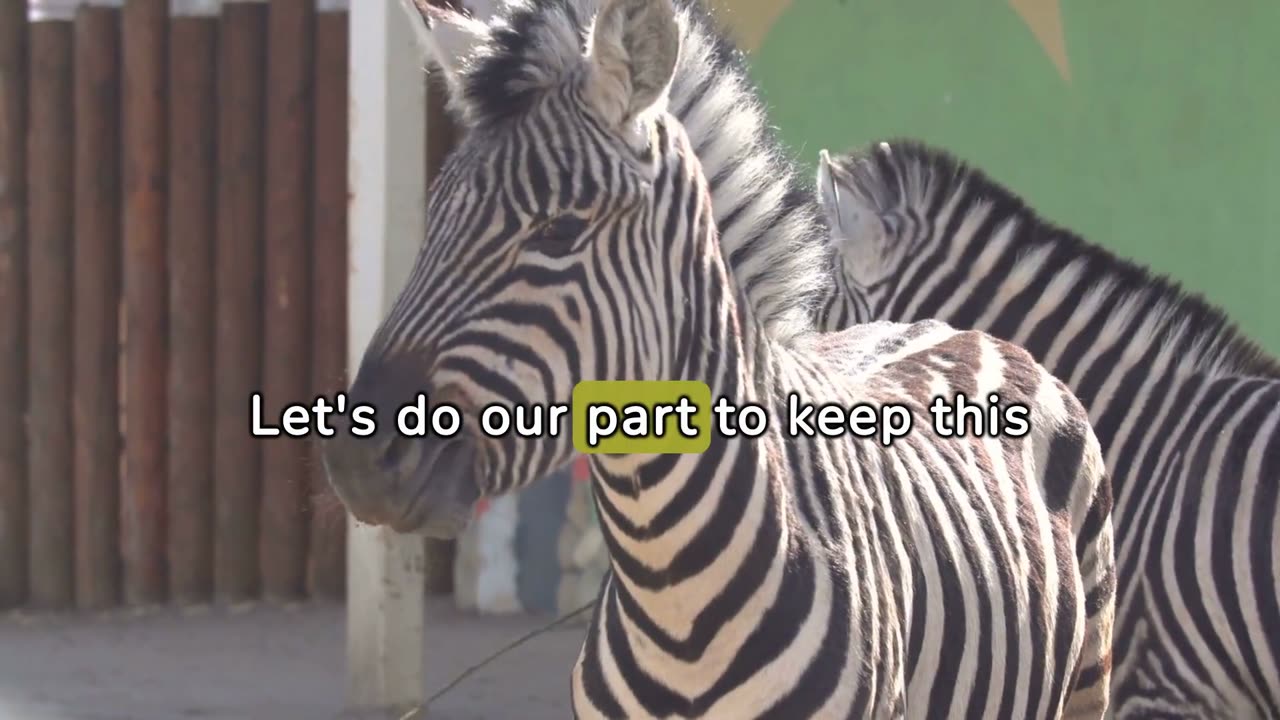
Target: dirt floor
x=264, y=664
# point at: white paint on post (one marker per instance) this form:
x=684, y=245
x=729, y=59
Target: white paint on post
x=385, y=570
x=195, y=8
x=52, y=10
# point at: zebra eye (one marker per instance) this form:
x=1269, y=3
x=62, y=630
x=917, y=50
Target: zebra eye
x=560, y=229
x=892, y=224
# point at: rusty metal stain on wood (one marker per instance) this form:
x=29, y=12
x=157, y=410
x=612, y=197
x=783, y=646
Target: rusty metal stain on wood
x=50, y=207
x=238, y=302
x=193, y=113
x=287, y=336
x=13, y=305
x=96, y=295
x=144, y=45
x=326, y=576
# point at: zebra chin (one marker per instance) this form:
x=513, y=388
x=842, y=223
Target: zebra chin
x=423, y=486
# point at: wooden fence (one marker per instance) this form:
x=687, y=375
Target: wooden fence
x=173, y=202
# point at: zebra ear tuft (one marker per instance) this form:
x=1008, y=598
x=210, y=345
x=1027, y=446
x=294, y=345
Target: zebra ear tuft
x=631, y=57
x=445, y=37
x=482, y=10
x=850, y=213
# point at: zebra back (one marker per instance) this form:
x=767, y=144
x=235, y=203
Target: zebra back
x=1186, y=407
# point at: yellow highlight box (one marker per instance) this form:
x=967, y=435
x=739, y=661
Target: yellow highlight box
x=641, y=416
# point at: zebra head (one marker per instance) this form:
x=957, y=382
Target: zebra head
x=543, y=251
x=876, y=206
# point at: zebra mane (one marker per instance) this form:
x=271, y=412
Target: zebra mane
x=530, y=47
x=909, y=175
x=773, y=235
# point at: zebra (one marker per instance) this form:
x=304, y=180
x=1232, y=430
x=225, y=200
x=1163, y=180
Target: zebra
x=1186, y=408
x=767, y=214
x=571, y=237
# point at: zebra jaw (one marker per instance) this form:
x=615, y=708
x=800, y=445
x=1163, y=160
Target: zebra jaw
x=424, y=486
x=443, y=486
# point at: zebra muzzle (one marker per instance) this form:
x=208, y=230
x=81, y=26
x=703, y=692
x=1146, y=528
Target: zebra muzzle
x=440, y=487
x=423, y=485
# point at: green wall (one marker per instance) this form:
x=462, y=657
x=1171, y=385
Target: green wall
x=1163, y=144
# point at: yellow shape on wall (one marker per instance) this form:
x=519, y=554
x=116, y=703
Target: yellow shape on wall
x=1044, y=17
x=749, y=21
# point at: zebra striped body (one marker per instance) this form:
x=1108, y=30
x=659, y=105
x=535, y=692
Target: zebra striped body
x=1187, y=411
x=571, y=236
x=840, y=578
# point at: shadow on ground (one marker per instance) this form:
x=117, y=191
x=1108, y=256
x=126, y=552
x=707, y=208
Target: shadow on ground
x=264, y=664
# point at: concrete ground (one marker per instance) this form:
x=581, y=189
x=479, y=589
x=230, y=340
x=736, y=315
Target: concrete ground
x=264, y=663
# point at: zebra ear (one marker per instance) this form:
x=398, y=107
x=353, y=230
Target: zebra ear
x=850, y=213
x=631, y=58
x=447, y=38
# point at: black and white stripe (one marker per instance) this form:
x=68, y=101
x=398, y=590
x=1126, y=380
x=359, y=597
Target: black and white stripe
x=572, y=236
x=1187, y=410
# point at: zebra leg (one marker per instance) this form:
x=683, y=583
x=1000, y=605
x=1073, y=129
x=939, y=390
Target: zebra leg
x=1092, y=685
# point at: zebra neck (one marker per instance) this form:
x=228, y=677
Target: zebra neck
x=841, y=304
x=673, y=523
x=719, y=343
x=676, y=524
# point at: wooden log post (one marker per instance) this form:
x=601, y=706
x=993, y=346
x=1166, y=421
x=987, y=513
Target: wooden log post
x=144, y=36
x=385, y=581
x=327, y=552
x=13, y=304
x=287, y=320
x=50, y=206
x=441, y=135
x=238, y=298
x=96, y=294
x=193, y=112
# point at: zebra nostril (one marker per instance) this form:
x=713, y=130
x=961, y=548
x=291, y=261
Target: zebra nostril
x=396, y=451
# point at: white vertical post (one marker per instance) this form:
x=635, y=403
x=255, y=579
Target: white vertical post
x=385, y=570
